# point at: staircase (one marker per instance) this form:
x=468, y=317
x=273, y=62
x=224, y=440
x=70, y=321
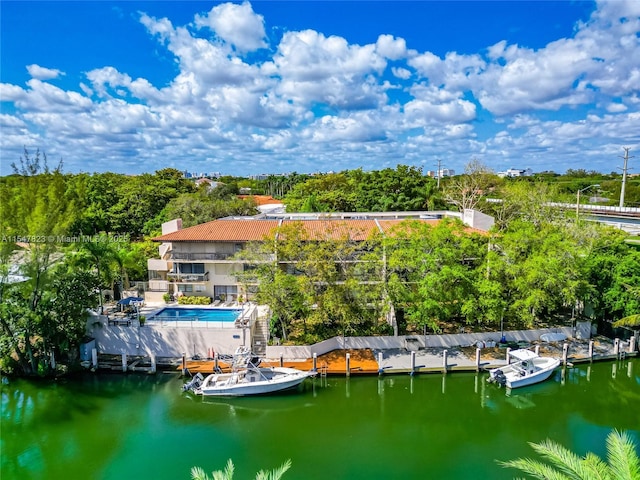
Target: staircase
x=260, y=337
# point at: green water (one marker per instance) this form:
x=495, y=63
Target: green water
x=111, y=426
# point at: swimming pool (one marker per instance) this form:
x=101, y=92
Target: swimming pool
x=190, y=314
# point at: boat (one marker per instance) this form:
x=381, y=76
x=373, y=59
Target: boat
x=529, y=368
x=247, y=378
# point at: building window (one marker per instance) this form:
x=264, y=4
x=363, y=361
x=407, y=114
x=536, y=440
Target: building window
x=229, y=291
x=187, y=268
x=185, y=288
x=200, y=288
x=155, y=275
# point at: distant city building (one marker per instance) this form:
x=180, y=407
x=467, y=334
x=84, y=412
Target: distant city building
x=515, y=172
x=264, y=176
x=444, y=172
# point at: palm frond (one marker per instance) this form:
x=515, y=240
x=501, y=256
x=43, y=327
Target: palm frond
x=630, y=321
x=561, y=458
x=275, y=474
x=622, y=455
x=226, y=474
x=598, y=469
x=536, y=469
x=197, y=473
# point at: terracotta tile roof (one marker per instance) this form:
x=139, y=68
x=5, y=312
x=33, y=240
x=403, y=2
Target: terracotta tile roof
x=246, y=230
x=262, y=199
x=358, y=230
x=241, y=230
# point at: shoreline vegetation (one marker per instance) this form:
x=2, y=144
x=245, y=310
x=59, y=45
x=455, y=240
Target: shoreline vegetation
x=537, y=265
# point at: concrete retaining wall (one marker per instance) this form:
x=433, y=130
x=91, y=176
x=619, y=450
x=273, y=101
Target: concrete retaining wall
x=165, y=341
x=410, y=342
x=169, y=341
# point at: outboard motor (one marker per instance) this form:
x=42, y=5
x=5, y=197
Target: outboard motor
x=500, y=378
x=194, y=383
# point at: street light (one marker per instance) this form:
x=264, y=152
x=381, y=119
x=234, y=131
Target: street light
x=597, y=185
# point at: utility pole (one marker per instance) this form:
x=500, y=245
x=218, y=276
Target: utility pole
x=438, y=172
x=624, y=174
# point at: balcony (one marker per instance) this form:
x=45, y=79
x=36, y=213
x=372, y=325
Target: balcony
x=157, y=265
x=216, y=256
x=188, y=277
x=158, y=286
x=200, y=256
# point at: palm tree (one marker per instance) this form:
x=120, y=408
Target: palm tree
x=622, y=461
x=197, y=473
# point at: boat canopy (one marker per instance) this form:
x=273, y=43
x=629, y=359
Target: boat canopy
x=523, y=354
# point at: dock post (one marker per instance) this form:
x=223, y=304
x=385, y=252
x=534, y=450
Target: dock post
x=281, y=360
x=348, y=362
x=184, y=364
x=315, y=362
x=216, y=366
x=508, y=357
x=616, y=347
x=413, y=363
x=124, y=362
x=380, y=369
x=591, y=350
x=537, y=349
x=94, y=358
x=565, y=353
x=632, y=344
x=477, y=360
x=444, y=361
x=153, y=363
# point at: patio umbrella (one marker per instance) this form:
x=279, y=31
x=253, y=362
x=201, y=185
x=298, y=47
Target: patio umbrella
x=130, y=300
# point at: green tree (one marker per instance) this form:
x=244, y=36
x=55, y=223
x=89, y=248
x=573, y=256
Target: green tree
x=431, y=269
x=562, y=464
x=44, y=313
x=318, y=283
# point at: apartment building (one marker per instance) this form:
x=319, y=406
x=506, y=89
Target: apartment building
x=199, y=260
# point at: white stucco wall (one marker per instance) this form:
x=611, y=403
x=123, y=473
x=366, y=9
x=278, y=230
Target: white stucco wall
x=167, y=341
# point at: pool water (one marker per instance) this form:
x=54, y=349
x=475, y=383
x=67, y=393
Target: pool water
x=196, y=314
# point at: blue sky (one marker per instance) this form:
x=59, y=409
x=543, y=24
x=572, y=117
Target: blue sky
x=271, y=87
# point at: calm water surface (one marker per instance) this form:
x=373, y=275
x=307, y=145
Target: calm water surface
x=112, y=426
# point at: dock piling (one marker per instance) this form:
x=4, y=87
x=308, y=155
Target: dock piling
x=537, y=349
x=413, y=363
x=565, y=353
x=380, y=369
x=591, y=350
x=348, y=362
x=124, y=362
x=184, y=364
x=508, y=358
x=281, y=360
x=616, y=347
x=477, y=360
x=315, y=362
x=153, y=363
x=94, y=358
x=216, y=362
x=632, y=344
x=444, y=361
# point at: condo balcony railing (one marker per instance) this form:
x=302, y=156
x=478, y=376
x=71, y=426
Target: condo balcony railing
x=188, y=277
x=200, y=256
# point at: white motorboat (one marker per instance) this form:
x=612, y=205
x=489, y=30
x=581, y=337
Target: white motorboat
x=247, y=378
x=529, y=368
